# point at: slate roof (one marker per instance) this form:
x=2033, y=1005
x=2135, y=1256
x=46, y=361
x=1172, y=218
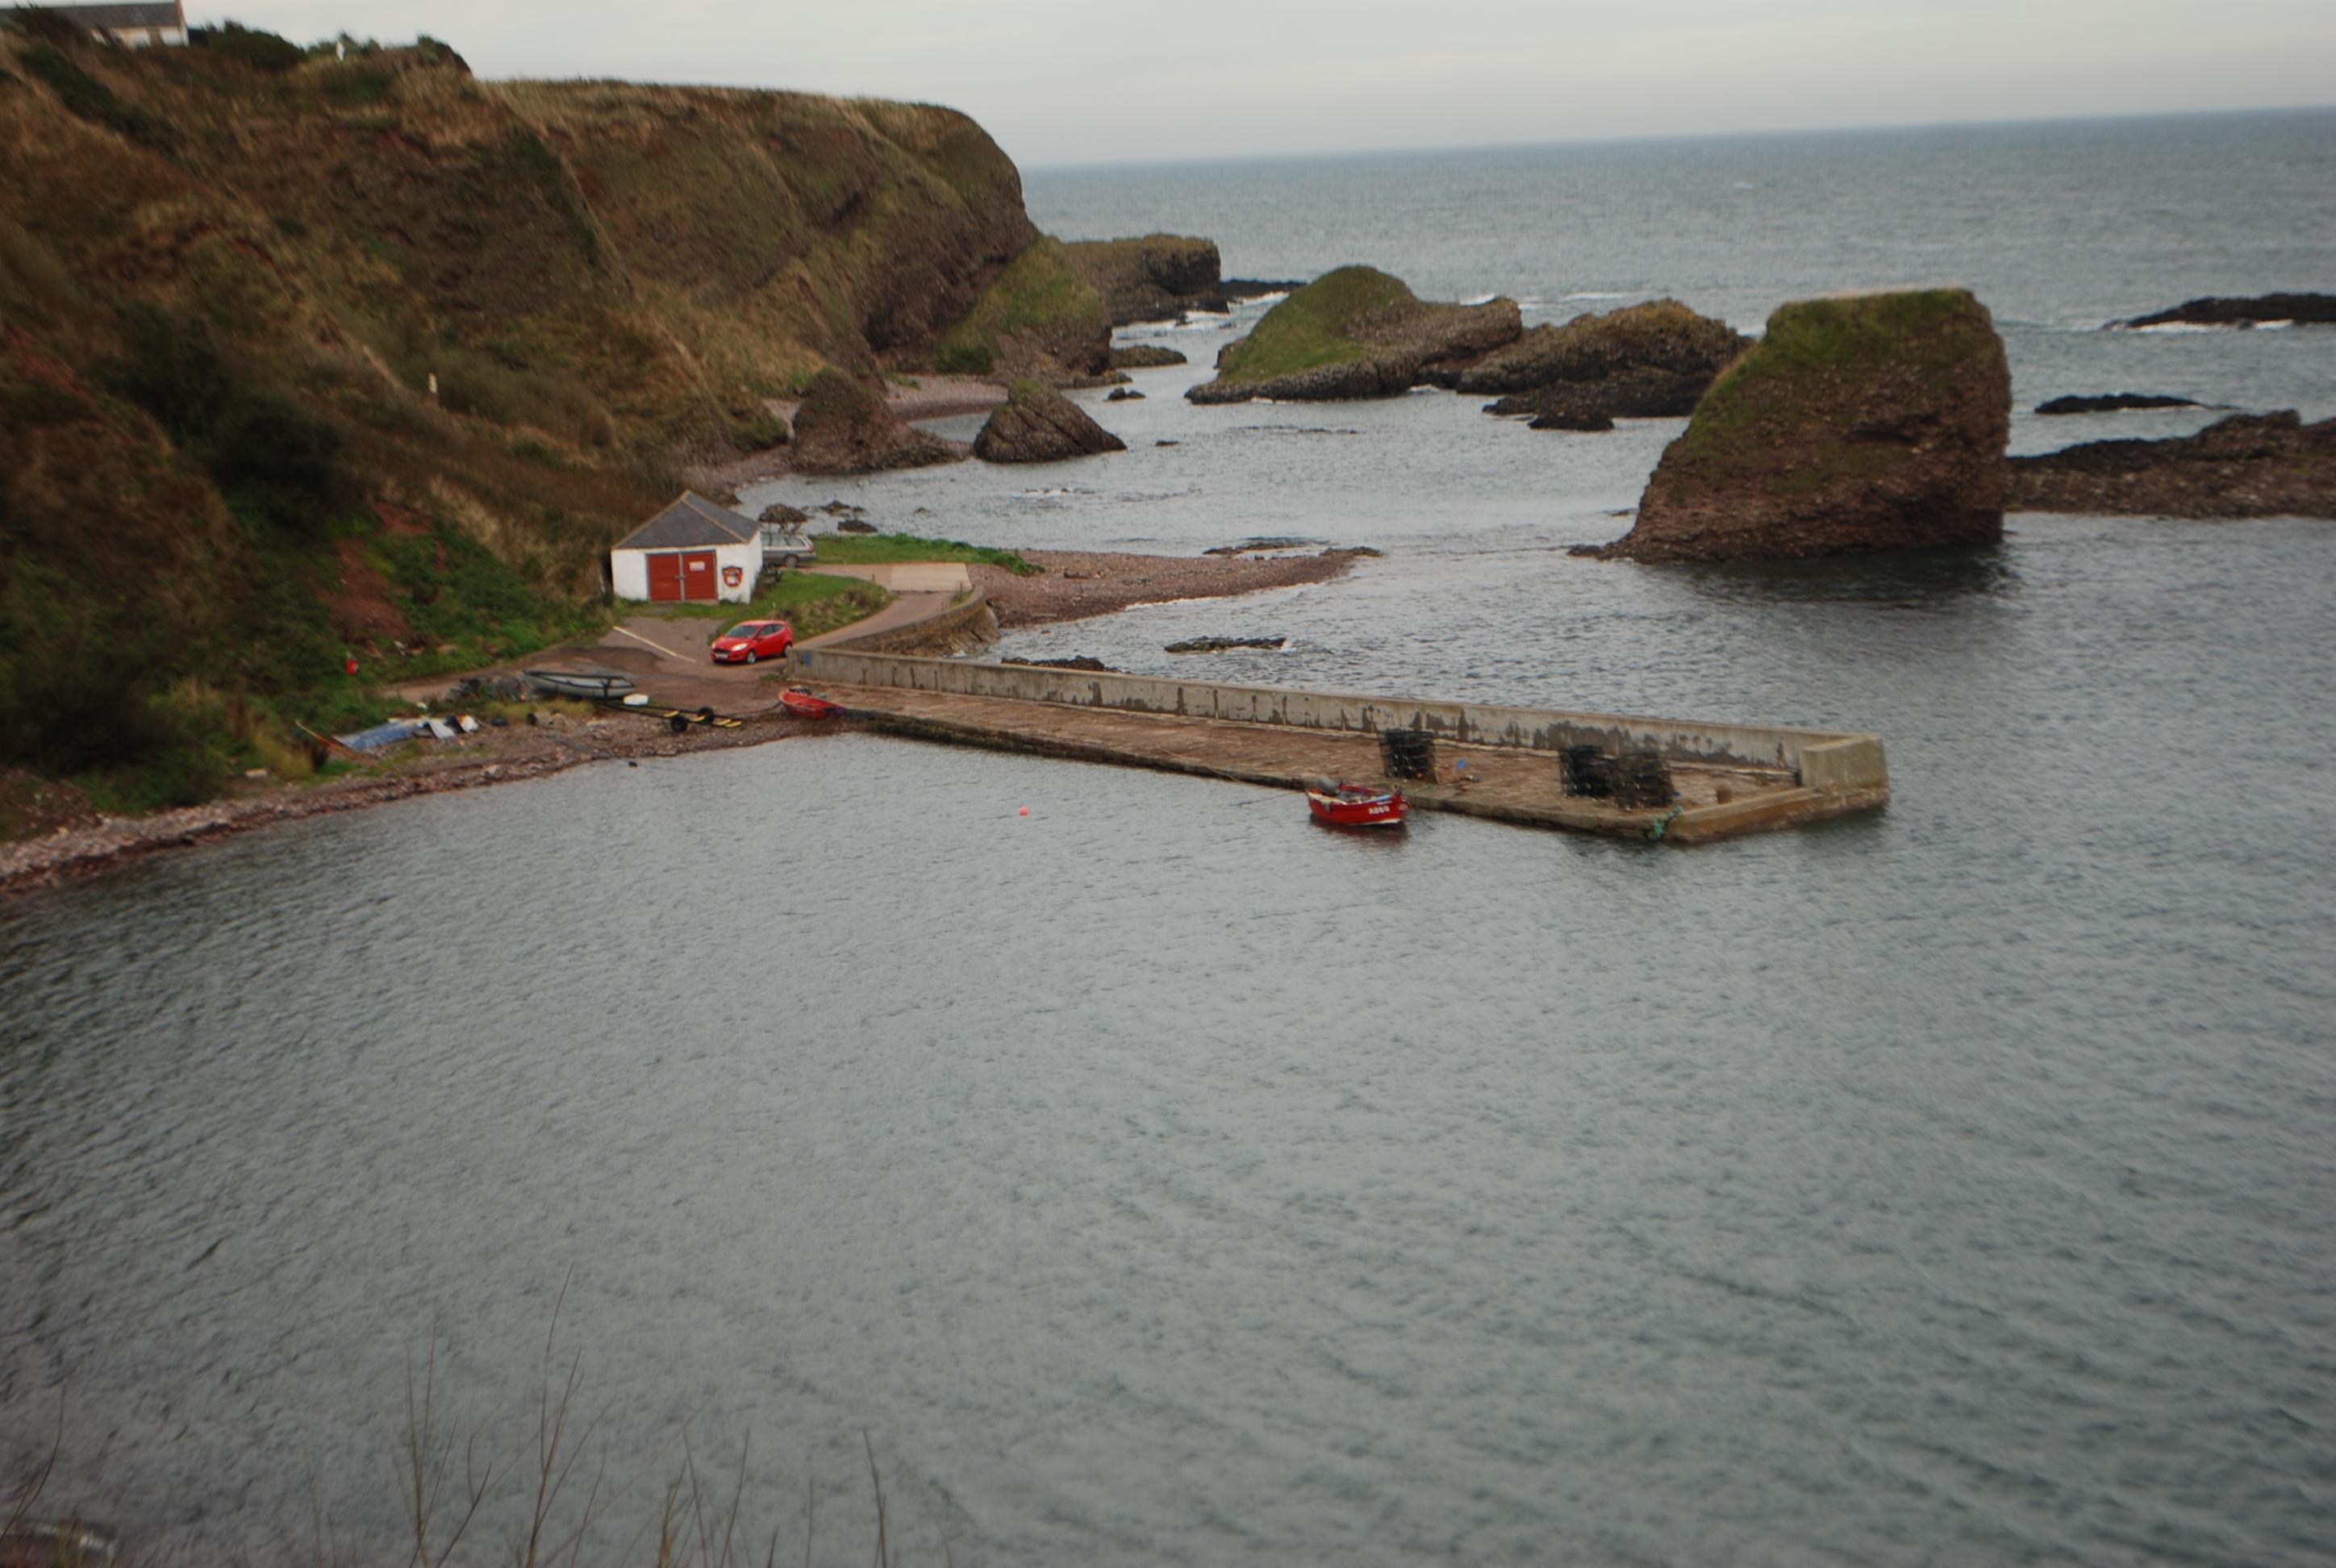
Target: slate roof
x=691, y=519
x=108, y=16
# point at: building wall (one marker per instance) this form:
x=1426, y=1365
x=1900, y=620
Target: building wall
x=629, y=570
x=140, y=37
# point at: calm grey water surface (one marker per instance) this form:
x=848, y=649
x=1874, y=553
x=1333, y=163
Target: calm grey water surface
x=1157, y=1178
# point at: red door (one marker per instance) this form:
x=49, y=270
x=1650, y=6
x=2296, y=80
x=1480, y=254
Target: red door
x=697, y=576
x=664, y=576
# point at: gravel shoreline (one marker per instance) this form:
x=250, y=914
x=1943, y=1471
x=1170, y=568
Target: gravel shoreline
x=1077, y=584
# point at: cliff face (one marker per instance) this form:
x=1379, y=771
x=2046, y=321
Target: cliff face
x=230, y=273
x=1356, y=331
x=1871, y=423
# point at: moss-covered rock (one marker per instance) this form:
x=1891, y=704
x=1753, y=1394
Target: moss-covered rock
x=1355, y=333
x=1869, y=422
x=1040, y=316
x=1037, y=424
x=845, y=427
x=1153, y=276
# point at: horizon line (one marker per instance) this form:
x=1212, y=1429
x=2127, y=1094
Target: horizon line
x=1677, y=136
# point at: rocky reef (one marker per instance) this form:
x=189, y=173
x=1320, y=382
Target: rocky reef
x=1144, y=356
x=845, y=427
x=1037, y=424
x=2111, y=403
x=1356, y=333
x=2248, y=465
x=1869, y=422
x=2254, y=310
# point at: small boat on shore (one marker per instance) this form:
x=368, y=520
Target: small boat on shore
x=597, y=685
x=1355, y=806
x=803, y=704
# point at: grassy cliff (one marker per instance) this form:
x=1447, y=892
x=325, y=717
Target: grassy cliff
x=231, y=273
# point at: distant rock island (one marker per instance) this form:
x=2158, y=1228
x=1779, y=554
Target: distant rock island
x=2111, y=403
x=2248, y=465
x=1356, y=331
x=1038, y=423
x=1160, y=276
x=2305, y=309
x=1874, y=421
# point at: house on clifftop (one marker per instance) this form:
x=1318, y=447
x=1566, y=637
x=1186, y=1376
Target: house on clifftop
x=130, y=26
x=693, y=550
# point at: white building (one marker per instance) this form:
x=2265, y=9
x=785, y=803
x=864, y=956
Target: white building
x=693, y=550
x=131, y=26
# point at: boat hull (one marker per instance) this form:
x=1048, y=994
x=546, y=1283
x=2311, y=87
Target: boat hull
x=599, y=686
x=1353, y=808
x=803, y=705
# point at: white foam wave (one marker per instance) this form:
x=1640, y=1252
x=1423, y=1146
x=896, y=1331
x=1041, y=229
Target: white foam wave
x=1595, y=294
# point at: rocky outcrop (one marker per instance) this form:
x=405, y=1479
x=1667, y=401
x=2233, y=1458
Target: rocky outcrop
x=1650, y=361
x=2215, y=310
x=1037, y=317
x=1356, y=333
x=1224, y=643
x=1869, y=422
x=1641, y=393
x=2111, y=403
x=1660, y=334
x=1039, y=425
x=786, y=516
x=1144, y=356
x=1086, y=661
x=2248, y=465
x=1153, y=276
x=1161, y=276
x=845, y=427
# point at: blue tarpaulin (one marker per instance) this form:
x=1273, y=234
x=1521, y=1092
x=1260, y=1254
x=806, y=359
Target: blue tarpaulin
x=382, y=735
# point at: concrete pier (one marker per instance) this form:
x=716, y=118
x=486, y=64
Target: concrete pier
x=1730, y=778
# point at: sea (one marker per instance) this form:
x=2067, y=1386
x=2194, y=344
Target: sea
x=803, y=1146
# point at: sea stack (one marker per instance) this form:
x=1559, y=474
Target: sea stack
x=845, y=427
x=1873, y=422
x=1037, y=424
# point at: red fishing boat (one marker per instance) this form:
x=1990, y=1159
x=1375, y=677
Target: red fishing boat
x=1354, y=805
x=803, y=705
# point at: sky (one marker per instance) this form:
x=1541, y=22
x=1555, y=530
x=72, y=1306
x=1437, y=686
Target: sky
x=1107, y=80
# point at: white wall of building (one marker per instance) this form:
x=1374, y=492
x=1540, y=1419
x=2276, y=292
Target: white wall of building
x=629, y=570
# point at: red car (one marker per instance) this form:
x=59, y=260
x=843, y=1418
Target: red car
x=750, y=641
